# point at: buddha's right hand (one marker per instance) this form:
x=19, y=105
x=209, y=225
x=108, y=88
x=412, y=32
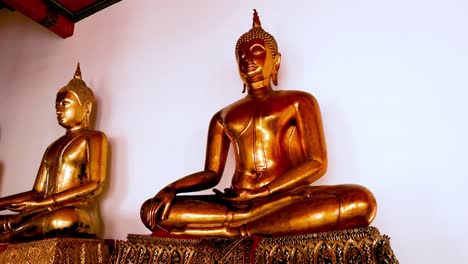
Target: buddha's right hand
x=162, y=204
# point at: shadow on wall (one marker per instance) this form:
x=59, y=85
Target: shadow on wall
x=116, y=191
x=93, y=115
x=1, y=174
x=1, y=163
x=105, y=189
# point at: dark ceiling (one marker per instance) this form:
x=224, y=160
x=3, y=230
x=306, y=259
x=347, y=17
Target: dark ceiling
x=58, y=16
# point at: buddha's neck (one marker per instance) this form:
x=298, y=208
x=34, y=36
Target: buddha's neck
x=259, y=88
x=76, y=129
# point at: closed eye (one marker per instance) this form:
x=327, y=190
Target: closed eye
x=66, y=102
x=257, y=49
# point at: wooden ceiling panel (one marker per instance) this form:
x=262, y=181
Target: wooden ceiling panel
x=59, y=16
x=74, y=5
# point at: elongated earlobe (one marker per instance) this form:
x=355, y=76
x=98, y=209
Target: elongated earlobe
x=88, y=106
x=274, y=75
x=274, y=78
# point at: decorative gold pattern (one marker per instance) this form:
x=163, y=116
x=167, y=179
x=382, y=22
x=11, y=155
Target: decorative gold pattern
x=146, y=249
x=225, y=250
x=360, y=245
x=57, y=250
x=363, y=245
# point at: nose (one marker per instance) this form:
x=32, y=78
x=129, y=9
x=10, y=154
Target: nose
x=246, y=61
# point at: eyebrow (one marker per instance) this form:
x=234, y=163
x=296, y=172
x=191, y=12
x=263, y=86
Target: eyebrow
x=257, y=45
x=63, y=99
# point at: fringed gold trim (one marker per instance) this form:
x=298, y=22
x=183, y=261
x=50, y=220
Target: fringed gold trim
x=57, y=250
x=363, y=245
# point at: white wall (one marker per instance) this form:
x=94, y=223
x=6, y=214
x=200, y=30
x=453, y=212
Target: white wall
x=390, y=76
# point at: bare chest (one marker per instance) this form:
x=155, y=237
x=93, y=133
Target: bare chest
x=262, y=118
x=65, y=150
x=66, y=163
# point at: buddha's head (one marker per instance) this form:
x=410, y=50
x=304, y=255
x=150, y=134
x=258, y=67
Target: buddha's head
x=257, y=55
x=74, y=103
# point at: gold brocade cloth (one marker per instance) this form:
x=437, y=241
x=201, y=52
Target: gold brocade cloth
x=56, y=250
x=363, y=245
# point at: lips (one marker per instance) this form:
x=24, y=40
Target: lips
x=249, y=67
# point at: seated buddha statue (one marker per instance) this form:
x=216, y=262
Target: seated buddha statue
x=279, y=150
x=63, y=200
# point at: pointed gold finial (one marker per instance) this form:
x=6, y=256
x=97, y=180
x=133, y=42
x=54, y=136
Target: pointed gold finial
x=257, y=32
x=78, y=72
x=256, y=20
x=79, y=87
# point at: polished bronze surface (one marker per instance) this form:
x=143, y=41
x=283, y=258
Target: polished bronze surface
x=63, y=200
x=279, y=149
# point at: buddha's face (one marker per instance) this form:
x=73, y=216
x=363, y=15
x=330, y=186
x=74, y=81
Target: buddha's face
x=256, y=62
x=70, y=112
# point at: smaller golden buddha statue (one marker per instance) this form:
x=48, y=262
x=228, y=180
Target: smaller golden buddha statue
x=279, y=149
x=63, y=200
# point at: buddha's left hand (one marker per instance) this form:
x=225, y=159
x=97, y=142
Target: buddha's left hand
x=242, y=195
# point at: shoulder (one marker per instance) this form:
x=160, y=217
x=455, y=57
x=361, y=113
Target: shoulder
x=97, y=134
x=300, y=97
x=57, y=141
x=94, y=136
x=295, y=93
x=241, y=103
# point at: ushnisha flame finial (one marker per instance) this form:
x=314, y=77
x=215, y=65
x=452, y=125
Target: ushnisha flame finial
x=256, y=20
x=79, y=87
x=77, y=72
x=257, y=32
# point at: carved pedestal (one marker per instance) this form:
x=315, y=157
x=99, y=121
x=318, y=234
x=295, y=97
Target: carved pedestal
x=364, y=245
x=56, y=250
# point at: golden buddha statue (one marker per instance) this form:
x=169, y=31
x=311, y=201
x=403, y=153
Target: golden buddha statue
x=279, y=149
x=63, y=200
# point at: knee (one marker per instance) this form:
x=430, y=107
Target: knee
x=359, y=204
x=368, y=205
x=71, y=219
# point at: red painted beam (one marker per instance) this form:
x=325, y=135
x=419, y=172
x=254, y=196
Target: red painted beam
x=39, y=12
x=75, y=5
